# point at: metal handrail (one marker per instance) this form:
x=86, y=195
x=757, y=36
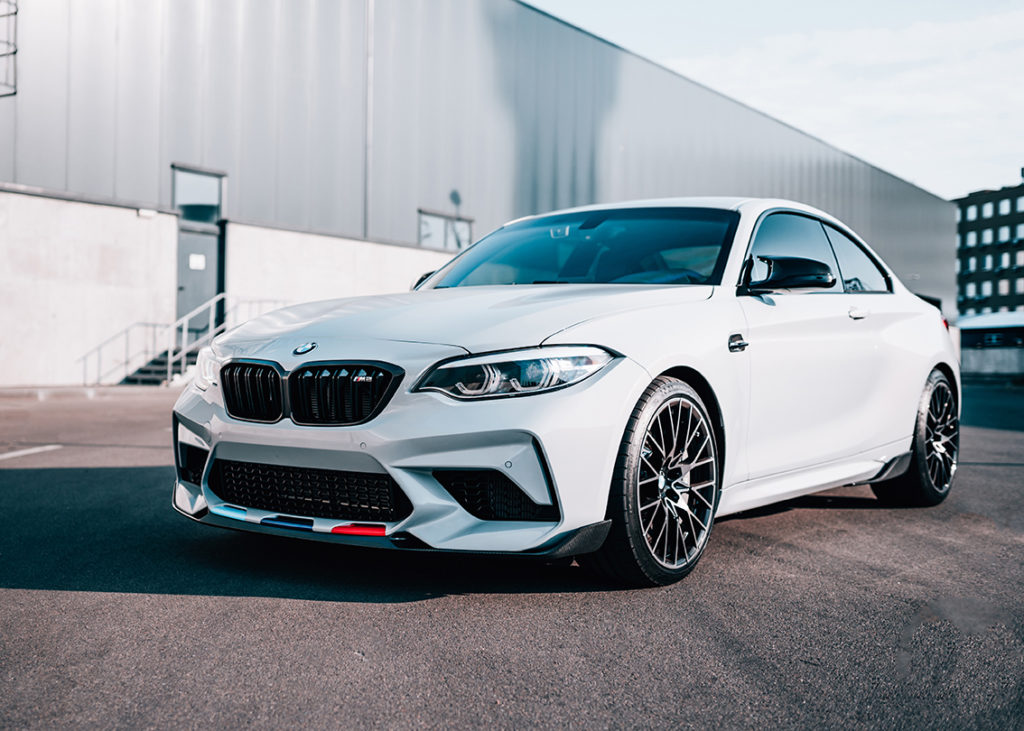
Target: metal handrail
x=176, y=337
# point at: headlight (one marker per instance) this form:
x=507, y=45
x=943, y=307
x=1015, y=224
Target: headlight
x=516, y=373
x=206, y=369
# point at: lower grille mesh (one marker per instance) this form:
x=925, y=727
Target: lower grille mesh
x=306, y=491
x=490, y=495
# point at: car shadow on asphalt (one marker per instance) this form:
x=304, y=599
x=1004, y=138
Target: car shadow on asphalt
x=113, y=530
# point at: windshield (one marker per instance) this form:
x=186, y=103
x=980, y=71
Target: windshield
x=617, y=246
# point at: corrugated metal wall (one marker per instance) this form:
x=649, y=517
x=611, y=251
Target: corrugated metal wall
x=515, y=110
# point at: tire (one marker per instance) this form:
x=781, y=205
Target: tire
x=664, y=490
x=934, y=452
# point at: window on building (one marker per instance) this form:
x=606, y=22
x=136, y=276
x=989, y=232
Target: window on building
x=972, y=238
x=8, y=47
x=1004, y=206
x=959, y=214
x=957, y=265
x=986, y=289
x=441, y=231
x=969, y=311
x=986, y=236
x=1020, y=258
x=986, y=210
x=971, y=290
x=1020, y=230
x=992, y=339
x=196, y=193
x=972, y=213
x=1004, y=233
x=972, y=264
x=988, y=262
x=986, y=310
x=1004, y=260
x=860, y=273
x=1004, y=286
x=1020, y=285
x=1020, y=204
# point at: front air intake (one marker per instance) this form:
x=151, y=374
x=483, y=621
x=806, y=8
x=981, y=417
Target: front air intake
x=491, y=495
x=252, y=391
x=340, y=394
x=310, y=492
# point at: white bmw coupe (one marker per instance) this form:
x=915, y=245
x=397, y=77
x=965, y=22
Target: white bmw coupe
x=601, y=382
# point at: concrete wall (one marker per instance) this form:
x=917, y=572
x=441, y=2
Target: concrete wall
x=73, y=274
x=265, y=263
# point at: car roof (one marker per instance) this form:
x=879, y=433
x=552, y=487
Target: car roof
x=730, y=203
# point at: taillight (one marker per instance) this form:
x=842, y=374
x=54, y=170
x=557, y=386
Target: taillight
x=945, y=322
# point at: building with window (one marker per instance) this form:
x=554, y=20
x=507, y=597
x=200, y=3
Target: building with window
x=990, y=251
x=196, y=161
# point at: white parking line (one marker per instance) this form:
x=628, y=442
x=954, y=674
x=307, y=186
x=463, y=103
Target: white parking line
x=32, y=450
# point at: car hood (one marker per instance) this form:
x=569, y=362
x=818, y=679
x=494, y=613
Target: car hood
x=477, y=319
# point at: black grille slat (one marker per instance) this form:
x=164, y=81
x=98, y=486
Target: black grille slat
x=338, y=393
x=491, y=495
x=311, y=492
x=252, y=391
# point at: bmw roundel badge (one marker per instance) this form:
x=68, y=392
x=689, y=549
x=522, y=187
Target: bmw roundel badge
x=304, y=348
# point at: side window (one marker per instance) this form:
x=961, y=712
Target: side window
x=787, y=234
x=859, y=273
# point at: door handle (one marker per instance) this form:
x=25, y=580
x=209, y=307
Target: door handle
x=737, y=343
x=857, y=313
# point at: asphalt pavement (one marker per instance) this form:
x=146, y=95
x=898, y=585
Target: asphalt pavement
x=827, y=611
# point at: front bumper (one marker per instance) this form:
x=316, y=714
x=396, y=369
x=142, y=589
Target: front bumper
x=558, y=447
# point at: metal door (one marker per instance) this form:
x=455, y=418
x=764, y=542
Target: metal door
x=199, y=272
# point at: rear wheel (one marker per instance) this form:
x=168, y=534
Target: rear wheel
x=664, y=490
x=934, y=453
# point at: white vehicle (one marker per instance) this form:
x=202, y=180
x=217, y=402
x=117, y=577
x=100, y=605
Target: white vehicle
x=600, y=382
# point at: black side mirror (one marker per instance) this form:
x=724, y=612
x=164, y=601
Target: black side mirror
x=790, y=272
x=423, y=277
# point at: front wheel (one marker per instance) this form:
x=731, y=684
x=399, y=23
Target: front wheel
x=664, y=490
x=934, y=453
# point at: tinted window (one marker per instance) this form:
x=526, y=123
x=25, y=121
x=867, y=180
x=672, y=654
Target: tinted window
x=859, y=273
x=626, y=246
x=786, y=234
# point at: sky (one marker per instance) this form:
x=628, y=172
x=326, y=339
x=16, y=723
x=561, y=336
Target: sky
x=931, y=91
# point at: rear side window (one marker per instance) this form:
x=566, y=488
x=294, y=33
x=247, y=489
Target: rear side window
x=787, y=234
x=859, y=272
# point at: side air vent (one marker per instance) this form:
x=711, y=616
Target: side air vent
x=191, y=461
x=491, y=495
